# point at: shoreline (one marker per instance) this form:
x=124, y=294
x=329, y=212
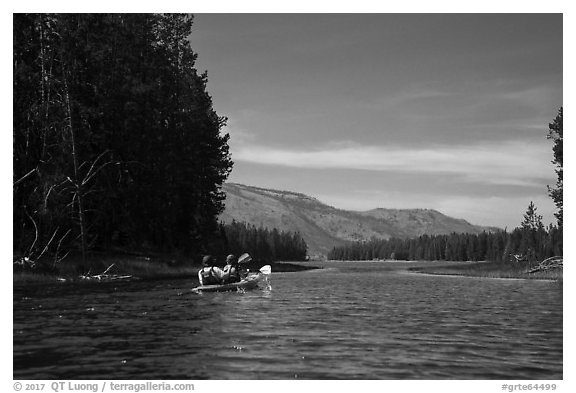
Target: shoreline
x=485, y=269
x=129, y=268
x=167, y=267
x=478, y=269
x=435, y=274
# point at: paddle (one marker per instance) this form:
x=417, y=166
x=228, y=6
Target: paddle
x=267, y=269
x=244, y=258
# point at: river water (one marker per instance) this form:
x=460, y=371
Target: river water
x=357, y=320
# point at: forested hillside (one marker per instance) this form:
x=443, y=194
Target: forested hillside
x=324, y=227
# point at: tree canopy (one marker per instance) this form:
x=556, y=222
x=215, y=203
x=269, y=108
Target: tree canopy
x=555, y=133
x=115, y=138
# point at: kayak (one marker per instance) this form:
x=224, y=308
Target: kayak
x=250, y=282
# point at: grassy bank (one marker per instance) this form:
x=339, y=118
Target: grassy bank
x=489, y=270
x=141, y=267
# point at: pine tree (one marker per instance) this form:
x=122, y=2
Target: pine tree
x=532, y=220
x=555, y=133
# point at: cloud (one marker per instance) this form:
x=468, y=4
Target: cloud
x=505, y=163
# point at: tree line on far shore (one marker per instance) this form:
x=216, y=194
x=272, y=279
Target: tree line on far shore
x=262, y=243
x=529, y=242
x=522, y=244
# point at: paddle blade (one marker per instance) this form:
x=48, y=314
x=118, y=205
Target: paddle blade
x=266, y=269
x=244, y=258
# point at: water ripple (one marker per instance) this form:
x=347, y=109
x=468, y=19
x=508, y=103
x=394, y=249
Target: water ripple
x=350, y=322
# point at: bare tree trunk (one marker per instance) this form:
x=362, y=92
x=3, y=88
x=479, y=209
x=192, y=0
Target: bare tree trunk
x=43, y=88
x=77, y=182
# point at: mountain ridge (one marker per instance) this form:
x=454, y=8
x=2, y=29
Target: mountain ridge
x=323, y=226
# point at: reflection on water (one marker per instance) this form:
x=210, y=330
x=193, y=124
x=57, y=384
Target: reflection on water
x=352, y=321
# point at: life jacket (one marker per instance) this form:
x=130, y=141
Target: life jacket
x=208, y=276
x=231, y=274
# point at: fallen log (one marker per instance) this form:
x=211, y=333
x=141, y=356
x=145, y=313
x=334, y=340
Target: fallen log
x=104, y=276
x=548, y=264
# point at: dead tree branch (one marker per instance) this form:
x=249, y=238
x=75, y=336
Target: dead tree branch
x=24, y=177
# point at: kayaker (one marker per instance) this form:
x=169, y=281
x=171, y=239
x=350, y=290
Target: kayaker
x=231, y=270
x=209, y=274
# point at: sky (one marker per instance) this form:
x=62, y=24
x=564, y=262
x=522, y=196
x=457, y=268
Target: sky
x=438, y=111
